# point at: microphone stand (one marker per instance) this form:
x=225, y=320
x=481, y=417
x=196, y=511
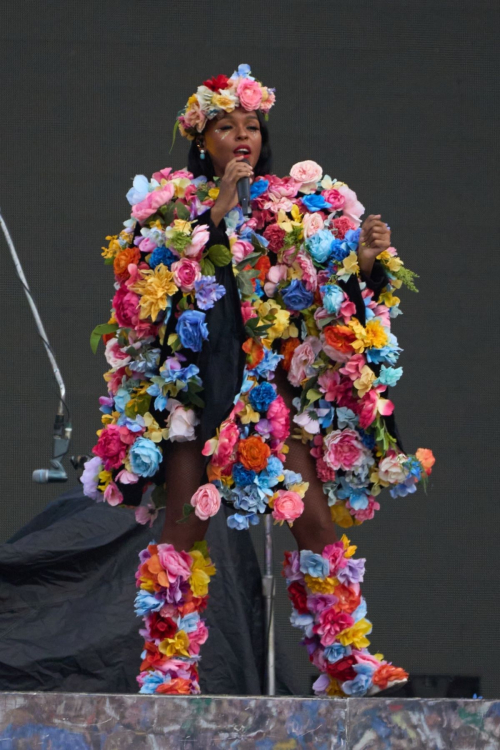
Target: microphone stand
x=62, y=427
x=268, y=591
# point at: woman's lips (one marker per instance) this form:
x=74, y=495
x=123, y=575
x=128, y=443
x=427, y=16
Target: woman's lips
x=245, y=150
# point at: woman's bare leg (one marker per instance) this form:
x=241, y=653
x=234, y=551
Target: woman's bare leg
x=184, y=470
x=315, y=528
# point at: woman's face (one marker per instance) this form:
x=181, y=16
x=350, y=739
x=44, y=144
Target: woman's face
x=232, y=133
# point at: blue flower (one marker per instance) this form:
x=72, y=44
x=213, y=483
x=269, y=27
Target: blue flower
x=268, y=364
x=139, y=191
x=358, y=686
x=243, y=476
x=239, y=521
x=189, y=623
x=313, y=564
x=346, y=418
x=146, y=363
x=291, y=478
x=152, y=680
x=360, y=612
x=305, y=622
x=243, y=72
x=351, y=238
x=389, y=375
x=268, y=477
x=192, y=329
x=145, y=603
x=336, y=651
x=250, y=498
x=144, y=457
x=340, y=249
x=258, y=187
x=163, y=255
x=405, y=488
x=367, y=439
x=208, y=292
x=320, y=245
x=315, y=202
x=296, y=297
x=262, y=396
x=333, y=297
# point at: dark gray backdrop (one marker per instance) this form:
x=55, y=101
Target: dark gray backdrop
x=400, y=100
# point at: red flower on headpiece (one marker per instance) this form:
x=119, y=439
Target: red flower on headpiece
x=217, y=83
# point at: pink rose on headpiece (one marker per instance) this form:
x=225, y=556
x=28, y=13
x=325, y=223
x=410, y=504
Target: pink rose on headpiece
x=152, y=202
x=352, y=207
x=268, y=102
x=249, y=93
x=312, y=223
x=306, y=171
x=288, y=506
x=206, y=501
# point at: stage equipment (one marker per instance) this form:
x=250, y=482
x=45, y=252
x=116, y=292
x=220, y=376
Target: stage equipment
x=62, y=423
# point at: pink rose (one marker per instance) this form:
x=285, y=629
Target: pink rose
x=199, y=239
x=247, y=311
x=354, y=367
x=249, y=93
x=228, y=438
x=312, y=223
x=390, y=468
x=274, y=276
x=268, y=102
x=332, y=196
x=352, y=207
x=278, y=415
x=309, y=273
x=112, y=494
x=175, y=564
x=152, y=202
x=347, y=310
x=282, y=187
x=302, y=359
x=186, y=272
x=342, y=225
x=181, y=423
x=206, y=501
x=110, y=447
x=115, y=356
x=115, y=380
x=194, y=117
x=335, y=554
x=126, y=477
x=329, y=383
x=343, y=449
x=330, y=623
x=126, y=306
x=197, y=638
x=146, y=245
x=288, y=506
x=162, y=174
x=306, y=171
x=240, y=249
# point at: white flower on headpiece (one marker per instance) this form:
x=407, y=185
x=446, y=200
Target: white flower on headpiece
x=243, y=72
x=204, y=96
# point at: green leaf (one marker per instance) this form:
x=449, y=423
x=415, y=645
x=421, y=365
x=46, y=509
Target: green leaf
x=201, y=547
x=244, y=282
x=186, y=512
x=313, y=395
x=168, y=212
x=159, y=496
x=220, y=255
x=99, y=331
x=182, y=211
x=207, y=267
x=249, y=260
x=108, y=261
x=407, y=276
x=176, y=127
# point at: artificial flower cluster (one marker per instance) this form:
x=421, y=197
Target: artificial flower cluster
x=328, y=607
x=173, y=590
x=223, y=94
x=290, y=260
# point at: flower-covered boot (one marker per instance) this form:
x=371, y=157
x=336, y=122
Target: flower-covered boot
x=173, y=590
x=328, y=607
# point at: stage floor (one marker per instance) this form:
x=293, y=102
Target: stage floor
x=68, y=721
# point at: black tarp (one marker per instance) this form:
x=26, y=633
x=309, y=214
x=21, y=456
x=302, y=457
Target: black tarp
x=67, y=588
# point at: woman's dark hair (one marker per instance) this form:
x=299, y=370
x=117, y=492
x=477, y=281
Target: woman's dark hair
x=205, y=166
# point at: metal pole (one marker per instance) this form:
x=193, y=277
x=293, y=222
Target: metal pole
x=268, y=591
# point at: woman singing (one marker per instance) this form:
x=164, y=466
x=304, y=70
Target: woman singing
x=250, y=360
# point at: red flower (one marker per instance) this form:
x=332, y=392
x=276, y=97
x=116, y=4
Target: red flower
x=263, y=265
x=298, y=597
x=161, y=627
x=342, y=669
x=217, y=83
x=275, y=235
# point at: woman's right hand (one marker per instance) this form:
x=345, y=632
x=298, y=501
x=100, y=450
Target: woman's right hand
x=228, y=192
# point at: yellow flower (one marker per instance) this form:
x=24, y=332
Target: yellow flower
x=364, y=383
x=155, y=286
x=285, y=223
x=180, y=184
x=376, y=335
x=349, y=265
x=249, y=415
x=341, y=516
x=180, y=225
x=201, y=570
x=321, y=585
x=300, y=489
x=105, y=478
x=349, y=549
x=280, y=324
x=213, y=193
x=154, y=432
x=389, y=299
x=296, y=213
x=334, y=690
x=176, y=646
x=356, y=634
x=113, y=248
x=223, y=101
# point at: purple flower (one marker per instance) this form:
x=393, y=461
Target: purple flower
x=353, y=572
x=207, y=292
x=146, y=514
x=90, y=478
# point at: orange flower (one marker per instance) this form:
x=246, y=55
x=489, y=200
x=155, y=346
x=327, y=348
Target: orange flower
x=263, y=265
x=348, y=598
x=122, y=260
x=387, y=673
x=287, y=349
x=253, y=453
x=177, y=686
x=255, y=352
x=340, y=338
x=426, y=458
x=152, y=577
x=153, y=657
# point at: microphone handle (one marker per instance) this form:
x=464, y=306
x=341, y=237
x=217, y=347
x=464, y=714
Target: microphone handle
x=243, y=187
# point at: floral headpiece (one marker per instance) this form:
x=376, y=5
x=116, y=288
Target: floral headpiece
x=223, y=94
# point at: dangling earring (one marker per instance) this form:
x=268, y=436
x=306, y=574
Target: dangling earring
x=202, y=153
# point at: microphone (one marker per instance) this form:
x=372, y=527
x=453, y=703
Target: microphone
x=243, y=187
x=55, y=474
x=61, y=438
